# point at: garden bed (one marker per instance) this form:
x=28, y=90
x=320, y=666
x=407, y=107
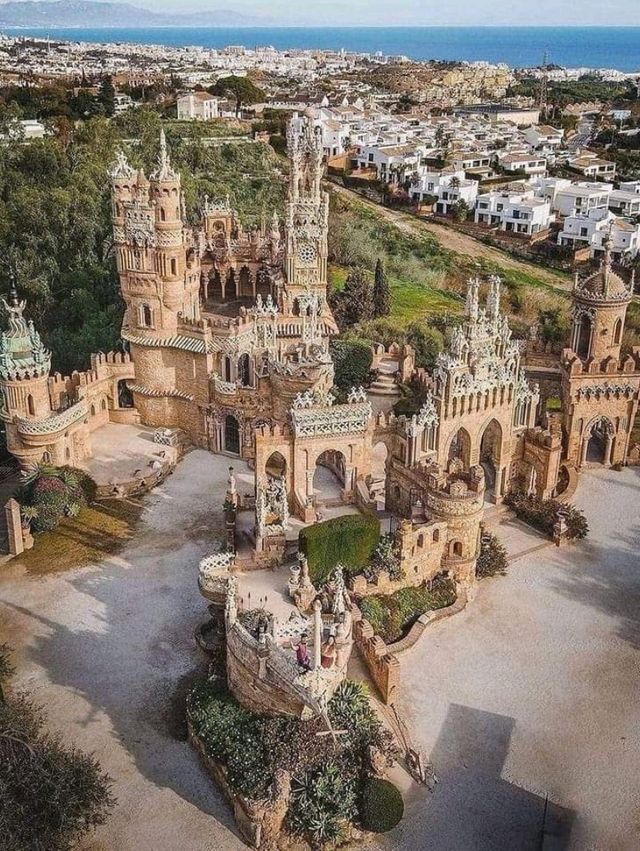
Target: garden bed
x=393, y=616
x=253, y=757
x=543, y=514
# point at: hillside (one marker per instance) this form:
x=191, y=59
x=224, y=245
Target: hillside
x=85, y=13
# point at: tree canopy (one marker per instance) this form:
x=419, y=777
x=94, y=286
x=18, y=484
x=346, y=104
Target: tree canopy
x=241, y=89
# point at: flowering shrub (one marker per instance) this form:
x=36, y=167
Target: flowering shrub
x=55, y=492
x=544, y=513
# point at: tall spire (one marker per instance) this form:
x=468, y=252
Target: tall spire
x=164, y=170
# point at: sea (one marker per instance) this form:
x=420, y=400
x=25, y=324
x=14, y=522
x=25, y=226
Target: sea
x=519, y=47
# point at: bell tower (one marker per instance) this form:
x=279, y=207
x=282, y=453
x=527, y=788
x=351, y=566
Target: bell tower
x=307, y=210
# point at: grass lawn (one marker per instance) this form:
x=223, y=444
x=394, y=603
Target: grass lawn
x=99, y=530
x=409, y=300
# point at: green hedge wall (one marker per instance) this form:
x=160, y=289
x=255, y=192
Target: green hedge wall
x=349, y=540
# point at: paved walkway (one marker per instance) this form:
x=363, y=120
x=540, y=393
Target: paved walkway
x=105, y=649
x=533, y=691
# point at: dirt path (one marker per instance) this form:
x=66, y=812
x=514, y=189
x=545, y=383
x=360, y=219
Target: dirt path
x=460, y=243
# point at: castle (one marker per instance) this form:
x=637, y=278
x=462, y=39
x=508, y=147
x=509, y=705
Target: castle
x=228, y=333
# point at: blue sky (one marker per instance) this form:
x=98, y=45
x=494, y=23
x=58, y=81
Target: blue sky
x=423, y=12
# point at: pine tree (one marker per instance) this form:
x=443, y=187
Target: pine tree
x=381, y=292
x=355, y=302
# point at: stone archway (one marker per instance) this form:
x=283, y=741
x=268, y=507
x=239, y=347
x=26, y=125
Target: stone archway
x=329, y=477
x=276, y=466
x=598, y=442
x=491, y=455
x=460, y=447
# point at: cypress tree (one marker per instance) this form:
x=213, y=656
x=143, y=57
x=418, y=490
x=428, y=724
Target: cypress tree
x=381, y=292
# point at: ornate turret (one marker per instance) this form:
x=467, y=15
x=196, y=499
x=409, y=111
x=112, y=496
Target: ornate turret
x=24, y=377
x=599, y=310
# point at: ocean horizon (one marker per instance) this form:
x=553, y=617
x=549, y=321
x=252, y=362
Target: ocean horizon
x=519, y=47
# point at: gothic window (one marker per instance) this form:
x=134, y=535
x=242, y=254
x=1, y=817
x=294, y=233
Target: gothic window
x=103, y=404
x=583, y=337
x=226, y=368
x=436, y=536
x=93, y=410
x=163, y=215
x=31, y=405
x=617, y=332
x=174, y=266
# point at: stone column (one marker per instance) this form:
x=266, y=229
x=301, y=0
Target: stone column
x=317, y=633
x=310, y=474
x=585, y=449
x=607, y=448
x=14, y=526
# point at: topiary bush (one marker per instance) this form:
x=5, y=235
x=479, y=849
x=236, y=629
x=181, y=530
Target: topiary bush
x=349, y=540
x=381, y=806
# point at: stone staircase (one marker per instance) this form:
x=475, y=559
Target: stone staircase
x=385, y=383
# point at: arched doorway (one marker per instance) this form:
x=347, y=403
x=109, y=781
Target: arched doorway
x=231, y=289
x=246, y=286
x=263, y=283
x=377, y=486
x=125, y=396
x=231, y=435
x=490, y=453
x=276, y=466
x=328, y=478
x=460, y=447
x=214, y=292
x=583, y=337
x=599, y=442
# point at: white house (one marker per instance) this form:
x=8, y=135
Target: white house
x=591, y=165
x=514, y=211
x=530, y=164
x=391, y=162
x=593, y=228
x=544, y=138
x=197, y=106
x=624, y=203
x=448, y=186
x=630, y=186
x=579, y=198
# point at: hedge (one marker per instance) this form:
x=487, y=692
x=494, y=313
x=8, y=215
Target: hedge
x=391, y=616
x=351, y=362
x=349, y=540
x=543, y=514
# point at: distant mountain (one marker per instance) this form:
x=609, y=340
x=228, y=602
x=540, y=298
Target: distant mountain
x=85, y=13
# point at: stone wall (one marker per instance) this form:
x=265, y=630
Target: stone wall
x=383, y=666
x=260, y=822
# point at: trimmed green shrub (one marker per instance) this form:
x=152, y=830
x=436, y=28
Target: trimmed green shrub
x=382, y=806
x=349, y=540
x=352, y=363
x=492, y=560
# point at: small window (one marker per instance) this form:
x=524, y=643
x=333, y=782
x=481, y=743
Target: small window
x=31, y=407
x=436, y=536
x=174, y=266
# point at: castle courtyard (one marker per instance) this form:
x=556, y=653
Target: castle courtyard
x=531, y=691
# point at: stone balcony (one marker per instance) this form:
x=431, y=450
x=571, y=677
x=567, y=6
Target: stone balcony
x=47, y=429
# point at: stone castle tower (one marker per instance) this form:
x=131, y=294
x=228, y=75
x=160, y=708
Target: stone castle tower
x=599, y=387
